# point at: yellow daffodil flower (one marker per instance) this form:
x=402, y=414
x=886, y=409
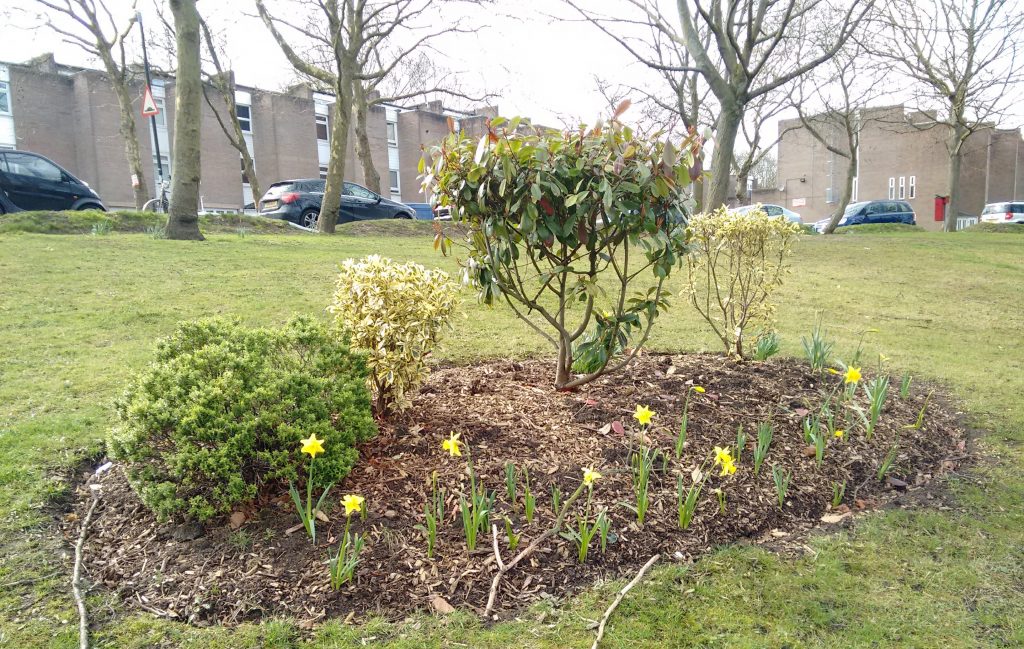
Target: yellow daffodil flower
x=839, y=434
x=723, y=455
x=643, y=415
x=852, y=375
x=728, y=467
x=352, y=504
x=312, y=445
x=590, y=476
x=698, y=389
x=452, y=445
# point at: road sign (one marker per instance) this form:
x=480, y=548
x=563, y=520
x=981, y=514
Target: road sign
x=149, y=108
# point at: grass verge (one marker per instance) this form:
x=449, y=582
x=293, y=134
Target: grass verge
x=79, y=314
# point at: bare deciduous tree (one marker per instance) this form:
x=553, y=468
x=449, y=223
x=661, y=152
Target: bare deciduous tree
x=183, y=215
x=339, y=26
x=222, y=80
x=99, y=34
x=963, y=54
x=760, y=111
x=840, y=93
x=742, y=48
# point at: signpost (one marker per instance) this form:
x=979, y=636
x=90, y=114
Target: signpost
x=150, y=110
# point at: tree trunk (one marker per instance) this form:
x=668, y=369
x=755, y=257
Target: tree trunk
x=371, y=178
x=330, y=206
x=741, y=187
x=726, y=129
x=183, y=217
x=844, y=200
x=131, y=142
x=563, y=372
x=955, y=161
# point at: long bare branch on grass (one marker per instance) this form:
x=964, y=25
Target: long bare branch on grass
x=76, y=575
x=618, y=598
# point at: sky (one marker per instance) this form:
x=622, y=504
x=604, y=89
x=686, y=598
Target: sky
x=536, y=66
x=536, y=57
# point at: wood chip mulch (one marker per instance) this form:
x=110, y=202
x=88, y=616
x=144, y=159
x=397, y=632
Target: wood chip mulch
x=253, y=564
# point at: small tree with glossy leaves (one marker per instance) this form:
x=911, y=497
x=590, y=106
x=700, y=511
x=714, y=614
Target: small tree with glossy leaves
x=577, y=231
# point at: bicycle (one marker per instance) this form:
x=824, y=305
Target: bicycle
x=160, y=203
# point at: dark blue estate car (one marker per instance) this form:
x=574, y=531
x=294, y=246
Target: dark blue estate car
x=30, y=181
x=866, y=212
x=298, y=201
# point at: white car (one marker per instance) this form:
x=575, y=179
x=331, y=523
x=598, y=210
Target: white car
x=772, y=210
x=1012, y=212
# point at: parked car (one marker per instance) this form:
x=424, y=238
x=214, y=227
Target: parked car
x=298, y=201
x=868, y=212
x=6, y=206
x=423, y=211
x=1011, y=212
x=772, y=210
x=33, y=182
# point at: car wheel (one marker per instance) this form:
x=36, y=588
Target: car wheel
x=91, y=206
x=309, y=219
x=403, y=215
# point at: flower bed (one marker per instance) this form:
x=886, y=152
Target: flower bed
x=256, y=563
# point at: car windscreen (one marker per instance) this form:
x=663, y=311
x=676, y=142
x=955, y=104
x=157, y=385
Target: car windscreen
x=853, y=209
x=996, y=208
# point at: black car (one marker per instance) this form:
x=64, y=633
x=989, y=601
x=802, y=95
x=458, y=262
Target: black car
x=868, y=212
x=298, y=201
x=33, y=182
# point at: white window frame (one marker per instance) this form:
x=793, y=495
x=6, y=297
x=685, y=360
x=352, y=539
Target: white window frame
x=5, y=89
x=395, y=186
x=392, y=127
x=856, y=186
x=912, y=191
x=903, y=187
x=892, y=188
x=244, y=120
x=161, y=112
x=322, y=119
x=323, y=172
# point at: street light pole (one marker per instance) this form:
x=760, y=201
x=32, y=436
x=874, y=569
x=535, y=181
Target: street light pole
x=152, y=119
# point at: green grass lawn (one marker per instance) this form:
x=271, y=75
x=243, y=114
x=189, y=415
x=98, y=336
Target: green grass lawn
x=78, y=314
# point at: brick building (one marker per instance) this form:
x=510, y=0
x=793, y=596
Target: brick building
x=903, y=156
x=70, y=115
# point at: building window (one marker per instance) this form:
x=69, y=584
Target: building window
x=903, y=187
x=167, y=169
x=323, y=172
x=5, y=98
x=161, y=115
x=392, y=133
x=244, y=117
x=913, y=188
x=321, y=127
x=394, y=181
x=892, y=188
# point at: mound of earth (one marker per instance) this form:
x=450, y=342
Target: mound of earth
x=256, y=563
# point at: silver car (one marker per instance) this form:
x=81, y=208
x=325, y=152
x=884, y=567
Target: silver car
x=772, y=210
x=1011, y=212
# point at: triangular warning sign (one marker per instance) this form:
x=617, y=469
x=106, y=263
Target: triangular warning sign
x=149, y=108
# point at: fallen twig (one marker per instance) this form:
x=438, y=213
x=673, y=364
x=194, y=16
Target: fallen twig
x=618, y=599
x=528, y=550
x=76, y=575
x=497, y=553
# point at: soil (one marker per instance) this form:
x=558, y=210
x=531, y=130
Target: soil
x=255, y=563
